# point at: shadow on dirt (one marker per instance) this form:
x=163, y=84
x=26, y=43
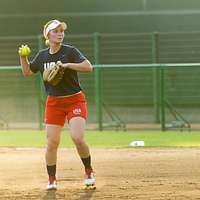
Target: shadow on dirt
x=86, y=195
x=50, y=195
x=55, y=195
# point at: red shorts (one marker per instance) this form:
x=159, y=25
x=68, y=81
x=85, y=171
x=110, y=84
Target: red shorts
x=59, y=108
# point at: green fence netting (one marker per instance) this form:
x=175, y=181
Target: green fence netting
x=118, y=96
x=130, y=95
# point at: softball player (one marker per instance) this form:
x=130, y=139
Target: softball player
x=66, y=100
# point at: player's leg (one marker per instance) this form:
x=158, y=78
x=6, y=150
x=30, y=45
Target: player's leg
x=53, y=140
x=54, y=118
x=77, y=129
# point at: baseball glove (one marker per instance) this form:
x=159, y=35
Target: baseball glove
x=54, y=74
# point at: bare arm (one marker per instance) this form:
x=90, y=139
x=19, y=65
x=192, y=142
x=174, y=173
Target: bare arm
x=25, y=66
x=84, y=66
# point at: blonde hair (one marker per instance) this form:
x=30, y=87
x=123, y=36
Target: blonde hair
x=47, y=43
x=45, y=26
x=64, y=25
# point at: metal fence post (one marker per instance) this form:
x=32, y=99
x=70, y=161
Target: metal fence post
x=41, y=95
x=98, y=97
x=154, y=54
x=162, y=97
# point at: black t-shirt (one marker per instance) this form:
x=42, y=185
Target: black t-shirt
x=66, y=54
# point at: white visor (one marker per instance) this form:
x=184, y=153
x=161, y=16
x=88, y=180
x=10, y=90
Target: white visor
x=54, y=24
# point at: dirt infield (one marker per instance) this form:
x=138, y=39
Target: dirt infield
x=153, y=174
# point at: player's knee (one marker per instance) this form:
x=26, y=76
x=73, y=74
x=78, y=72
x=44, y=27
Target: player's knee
x=79, y=141
x=52, y=145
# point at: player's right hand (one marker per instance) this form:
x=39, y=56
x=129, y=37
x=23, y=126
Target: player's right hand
x=24, y=50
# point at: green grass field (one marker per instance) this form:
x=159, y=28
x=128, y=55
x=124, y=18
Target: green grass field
x=105, y=139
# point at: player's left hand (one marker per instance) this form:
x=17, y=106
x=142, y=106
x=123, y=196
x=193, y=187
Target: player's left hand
x=54, y=74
